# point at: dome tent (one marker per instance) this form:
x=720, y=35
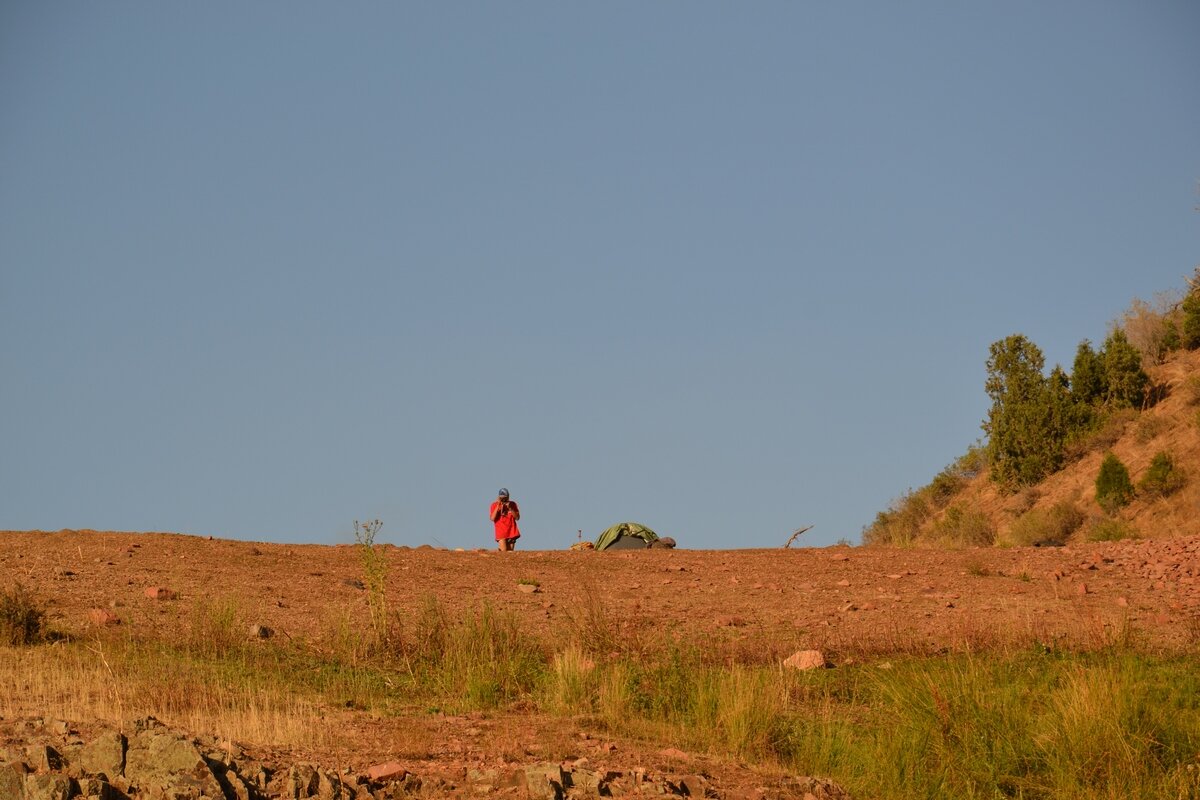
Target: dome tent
x=628, y=536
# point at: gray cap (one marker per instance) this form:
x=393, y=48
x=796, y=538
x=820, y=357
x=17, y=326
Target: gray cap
x=504, y=492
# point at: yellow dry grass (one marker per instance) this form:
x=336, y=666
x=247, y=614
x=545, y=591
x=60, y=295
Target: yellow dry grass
x=114, y=683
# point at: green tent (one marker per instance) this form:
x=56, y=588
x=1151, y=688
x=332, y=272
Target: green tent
x=626, y=536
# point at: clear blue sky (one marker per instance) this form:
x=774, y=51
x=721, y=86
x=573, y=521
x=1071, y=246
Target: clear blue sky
x=722, y=269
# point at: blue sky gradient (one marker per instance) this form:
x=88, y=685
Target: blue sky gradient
x=724, y=270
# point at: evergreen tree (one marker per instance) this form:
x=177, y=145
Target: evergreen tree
x=1025, y=443
x=1066, y=416
x=1171, y=340
x=1113, y=487
x=1125, y=380
x=1190, y=333
x=1087, y=375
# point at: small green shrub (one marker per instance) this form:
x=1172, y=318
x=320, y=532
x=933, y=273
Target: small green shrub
x=21, y=617
x=1162, y=478
x=1114, y=490
x=1052, y=526
x=963, y=527
x=945, y=485
x=900, y=524
x=973, y=462
x=1111, y=530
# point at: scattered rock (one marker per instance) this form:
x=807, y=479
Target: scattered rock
x=43, y=758
x=48, y=787
x=544, y=782
x=693, y=785
x=529, y=588
x=259, y=631
x=104, y=755
x=158, y=757
x=806, y=659
x=102, y=617
x=12, y=779
x=160, y=593
x=387, y=772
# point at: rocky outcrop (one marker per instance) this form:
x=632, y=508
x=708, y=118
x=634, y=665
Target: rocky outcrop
x=149, y=761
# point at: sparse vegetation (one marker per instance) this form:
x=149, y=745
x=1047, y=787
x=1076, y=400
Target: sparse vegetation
x=1163, y=478
x=902, y=523
x=1114, y=490
x=21, y=617
x=1153, y=330
x=1052, y=526
x=1191, y=390
x=375, y=570
x=965, y=527
x=1033, y=721
x=1150, y=427
x=1040, y=422
x=1111, y=530
x=978, y=570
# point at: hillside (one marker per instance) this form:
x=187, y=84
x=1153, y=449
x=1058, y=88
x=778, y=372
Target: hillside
x=965, y=505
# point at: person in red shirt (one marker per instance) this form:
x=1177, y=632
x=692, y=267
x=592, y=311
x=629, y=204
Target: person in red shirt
x=504, y=514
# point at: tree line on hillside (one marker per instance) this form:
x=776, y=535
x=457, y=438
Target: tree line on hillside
x=1034, y=418
x=1039, y=422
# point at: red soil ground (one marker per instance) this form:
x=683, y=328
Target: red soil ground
x=848, y=602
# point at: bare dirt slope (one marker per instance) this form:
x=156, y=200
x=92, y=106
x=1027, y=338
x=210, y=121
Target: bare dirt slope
x=782, y=599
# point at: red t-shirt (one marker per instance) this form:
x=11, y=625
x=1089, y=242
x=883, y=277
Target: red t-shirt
x=506, y=523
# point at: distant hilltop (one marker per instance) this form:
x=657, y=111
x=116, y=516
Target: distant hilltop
x=1109, y=450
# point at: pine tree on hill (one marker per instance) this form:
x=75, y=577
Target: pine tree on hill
x=1025, y=444
x=1087, y=376
x=1125, y=380
x=1190, y=329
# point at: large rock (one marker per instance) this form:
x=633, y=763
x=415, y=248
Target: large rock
x=105, y=755
x=806, y=659
x=48, y=787
x=544, y=782
x=387, y=772
x=12, y=779
x=160, y=760
x=300, y=782
x=97, y=789
x=331, y=787
x=43, y=758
